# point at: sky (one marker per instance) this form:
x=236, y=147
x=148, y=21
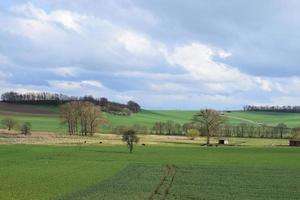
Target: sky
x=163, y=54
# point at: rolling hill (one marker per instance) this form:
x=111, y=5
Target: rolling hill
x=46, y=118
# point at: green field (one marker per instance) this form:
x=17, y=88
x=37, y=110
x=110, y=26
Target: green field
x=110, y=172
x=51, y=122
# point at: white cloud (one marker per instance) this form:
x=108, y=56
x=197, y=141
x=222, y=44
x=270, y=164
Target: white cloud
x=65, y=85
x=65, y=71
x=197, y=59
x=138, y=44
x=75, y=85
x=224, y=54
x=65, y=18
x=168, y=87
x=264, y=84
x=92, y=83
x=26, y=90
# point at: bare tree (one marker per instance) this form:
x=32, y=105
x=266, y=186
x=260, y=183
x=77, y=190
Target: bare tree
x=69, y=114
x=81, y=115
x=208, y=121
x=159, y=127
x=94, y=118
x=130, y=138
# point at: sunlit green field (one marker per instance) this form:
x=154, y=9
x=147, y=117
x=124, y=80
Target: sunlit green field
x=51, y=122
x=110, y=172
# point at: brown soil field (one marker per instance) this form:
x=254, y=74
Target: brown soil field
x=20, y=108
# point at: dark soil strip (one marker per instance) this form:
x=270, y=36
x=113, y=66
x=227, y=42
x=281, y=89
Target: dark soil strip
x=21, y=108
x=164, y=186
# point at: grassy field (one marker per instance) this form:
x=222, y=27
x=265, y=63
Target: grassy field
x=50, y=122
x=269, y=118
x=94, y=172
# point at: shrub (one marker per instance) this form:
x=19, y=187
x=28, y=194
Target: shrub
x=26, y=128
x=9, y=123
x=297, y=136
x=193, y=133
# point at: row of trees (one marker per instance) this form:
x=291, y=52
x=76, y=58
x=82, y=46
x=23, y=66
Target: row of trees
x=257, y=131
x=170, y=127
x=81, y=118
x=287, y=109
x=12, y=124
x=210, y=122
x=44, y=98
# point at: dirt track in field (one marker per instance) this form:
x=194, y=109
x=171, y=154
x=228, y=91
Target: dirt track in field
x=20, y=108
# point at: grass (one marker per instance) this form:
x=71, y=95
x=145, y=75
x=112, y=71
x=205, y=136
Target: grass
x=269, y=118
x=39, y=122
x=56, y=172
x=210, y=182
x=51, y=122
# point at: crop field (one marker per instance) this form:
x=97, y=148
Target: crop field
x=150, y=172
x=45, y=118
x=269, y=118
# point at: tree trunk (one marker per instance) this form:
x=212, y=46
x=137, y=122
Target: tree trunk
x=207, y=139
x=207, y=136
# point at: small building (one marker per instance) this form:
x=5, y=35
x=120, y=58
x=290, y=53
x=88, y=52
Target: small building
x=295, y=143
x=223, y=141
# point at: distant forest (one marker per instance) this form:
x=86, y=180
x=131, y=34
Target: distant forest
x=286, y=109
x=45, y=98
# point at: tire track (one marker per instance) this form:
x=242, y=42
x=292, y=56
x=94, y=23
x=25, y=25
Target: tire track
x=163, y=188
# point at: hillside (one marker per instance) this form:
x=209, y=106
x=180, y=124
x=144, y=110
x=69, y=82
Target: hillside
x=45, y=118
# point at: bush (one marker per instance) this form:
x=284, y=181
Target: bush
x=193, y=133
x=9, y=123
x=297, y=136
x=26, y=128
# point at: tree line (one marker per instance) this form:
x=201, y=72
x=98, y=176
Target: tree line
x=287, y=109
x=224, y=130
x=45, y=98
x=279, y=131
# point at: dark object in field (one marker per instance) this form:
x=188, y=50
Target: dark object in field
x=100, y=142
x=130, y=137
x=143, y=144
x=223, y=141
x=84, y=142
x=295, y=143
x=26, y=128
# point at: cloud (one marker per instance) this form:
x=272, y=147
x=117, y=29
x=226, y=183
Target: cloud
x=224, y=54
x=65, y=71
x=204, y=57
x=93, y=83
x=67, y=19
x=75, y=85
x=197, y=60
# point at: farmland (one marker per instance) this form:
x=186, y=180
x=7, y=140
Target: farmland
x=51, y=165
x=45, y=118
x=110, y=172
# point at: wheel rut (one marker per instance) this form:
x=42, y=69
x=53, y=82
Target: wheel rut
x=162, y=190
